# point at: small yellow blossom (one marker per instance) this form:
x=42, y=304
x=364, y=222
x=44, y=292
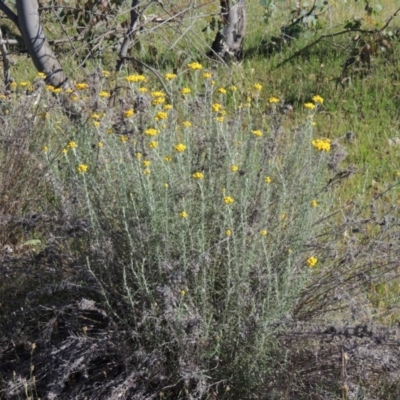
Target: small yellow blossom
x=233, y=88
x=264, y=232
x=105, y=73
x=198, y=175
x=207, y=75
x=158, y=100
x=64, y=151
x=187, y=124
x=219, y=119
x=153, y=144
x=273, y=100
x=195, y=66
x=146, y=163
x=45, y=149
x=216, y=107
x=183, y=292
x=257, y=133
x=267, y=180
x=81, y=86
x=312, y=261
x=161, y=115
x=104, y=94
x=138, y=155
x=96, y=124
x=74, y=97
x=146, y=171
x=318, y=99
x=151, y=132
x=72, y=145
x=143, y=90
x=183, y=214
x=322, y=144
x=185, y=91
x=157, y=93
x=310, y=106
x=3, y=97
x=166, y=185
x=180, y=147
x=169, y=76
x=136, y=78
x=167, y=107
x=24, y=84
x=257, y=87
x=314, y=203
x=50, y=88
x=123, y=138
x=58, y=90
x=283, y=216
x=222, y=90
x=100, y=144
x=228, y=200
x=68, y=91
x=129, y=113
x=95, y=116
x=109, y=131
x=228, y=232
x=41, y=75
x=234, y=168
x=168, y=158
x=82, y=168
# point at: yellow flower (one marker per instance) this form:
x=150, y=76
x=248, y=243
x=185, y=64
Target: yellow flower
x=109, y=131
x=183, y=214
x=146, y=171
x=322, y=144
x=312, y=261
x=228, y=232
x=228, y=200
x=158, y=100
x=273, y=100
x=64, y=151
x=74, y=98
x=267, y=180
x=157, y=94
x=151, y=132
x=138, y=155
x=96, y=124
x=161, y=115
x=100, y=144
x=58, y=90
x=258, y=87
x=82, y=168
x=3, y=97
x=153, y=144
x=198, y=175
x=318, y=99
x=310, y=106
x=169, y=76
x=143, y=90
x=95, y=116
x=24, y=84
x=185, y=91
x=207, y=75
x=180, y=147
x=41, y=75
x=146, y=163
x=136, y=78
x=167, y=107
x=104, y=94
x=72, y=145
x=123, y=138
x=195, y=65
x=187, y=124
x=314, y=203
x=233, y=88
x=81, y=86
x=50, y=88
x=219, y=119
x=222, y=90
x=166, y=185
x=183, y=292
x=234, y=168
x=106, y=74
x=129, y=113
x=68, y=91
x=216, y=107
x=45, y=149
x=257, y=133
x=264, y=232
x=168, y=158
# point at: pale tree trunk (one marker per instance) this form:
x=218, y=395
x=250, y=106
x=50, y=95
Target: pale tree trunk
x=130, y=34
x=228, y=43
x=38, y=48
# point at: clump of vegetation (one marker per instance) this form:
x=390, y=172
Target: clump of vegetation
x=181, y=235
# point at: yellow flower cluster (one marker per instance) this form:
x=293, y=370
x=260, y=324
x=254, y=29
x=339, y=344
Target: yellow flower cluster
x=195, y=66
x=169, y=76
x=82, y=168
x=151, y=132
x=229, y=200
x=312, y=261
x=322, y=144
x=180, y=147
x=81, y=86
x=198, y=175
x=136, y=78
